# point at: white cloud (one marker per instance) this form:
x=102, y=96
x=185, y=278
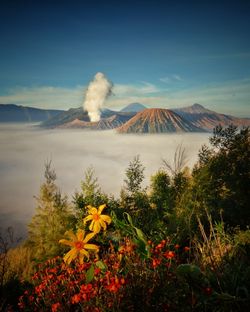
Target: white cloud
x=134, y=90
x=231, y=97
x=177, y=77
x=171, y=78
x=45, y=97
x=165, y=79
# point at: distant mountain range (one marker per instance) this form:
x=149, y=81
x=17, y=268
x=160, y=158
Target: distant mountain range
x=18, y=113
x=134, y=118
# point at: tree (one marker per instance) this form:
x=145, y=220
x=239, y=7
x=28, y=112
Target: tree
x=53, y=217
x=161, y=192
x=222, y=177
x=134, y=198
x=135, y=176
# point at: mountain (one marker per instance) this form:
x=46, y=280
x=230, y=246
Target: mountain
x=66, y=117
x=157, y=120
x=206, y=119
x=133, y=107
x=18, y=113
x=104, y=124
x=77, y=118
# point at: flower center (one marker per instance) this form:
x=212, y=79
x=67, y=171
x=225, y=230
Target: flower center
x=79, y=245
x=96, y=217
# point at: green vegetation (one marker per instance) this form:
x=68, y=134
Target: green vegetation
x=180, y=244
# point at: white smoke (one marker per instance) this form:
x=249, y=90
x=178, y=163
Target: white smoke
x=98, y=90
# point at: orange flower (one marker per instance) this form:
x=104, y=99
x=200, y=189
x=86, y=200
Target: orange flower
x=186, y=248
x=98, y=220
x=79, y=245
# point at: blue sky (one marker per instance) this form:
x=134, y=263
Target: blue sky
x=160, y=53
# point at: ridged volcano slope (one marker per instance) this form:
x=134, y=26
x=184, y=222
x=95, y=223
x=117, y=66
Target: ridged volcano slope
x=157, y=120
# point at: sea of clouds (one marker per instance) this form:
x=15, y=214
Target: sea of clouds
x=25, y=149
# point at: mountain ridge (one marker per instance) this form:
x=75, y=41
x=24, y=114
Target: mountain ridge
x=207, y=119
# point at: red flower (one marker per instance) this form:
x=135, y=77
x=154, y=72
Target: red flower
x=177, y=246
x=76, y=298
x=208, y=291
x=156, y=262
x=55, y=307
x=186, y=248
x=169, y=254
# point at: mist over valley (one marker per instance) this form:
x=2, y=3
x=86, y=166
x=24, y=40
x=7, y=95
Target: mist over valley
x=25, y=149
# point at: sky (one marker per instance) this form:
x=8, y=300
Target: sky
x=160, y=53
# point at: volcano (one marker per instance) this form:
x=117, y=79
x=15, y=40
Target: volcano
x=206, y=119
x=157, y=120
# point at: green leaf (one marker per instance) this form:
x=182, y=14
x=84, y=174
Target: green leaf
x=140, y=235
x=189, y=270
x=101, y=265
x=90, y=274
x=129, y=219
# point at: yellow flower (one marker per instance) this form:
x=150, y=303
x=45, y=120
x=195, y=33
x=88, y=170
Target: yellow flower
x=98, y=219
x=78, y=244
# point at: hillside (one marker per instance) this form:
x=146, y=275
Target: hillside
x=104, y=124
x=157, y=120
x=206, y=119
x=18, y=113
x=77, y=118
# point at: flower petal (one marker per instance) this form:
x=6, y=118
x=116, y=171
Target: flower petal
x=106, y=218
x=88, y=237
x=91, y=227
x=88, y=218
x=91, y=246
x=103, y=224
x=72, y=254
x=66, y=242
x=81, y=258
x=100, y=209
x=92, y=210
x=80, y=235
x=71, y=235
x=97, y=227
x=84, y=253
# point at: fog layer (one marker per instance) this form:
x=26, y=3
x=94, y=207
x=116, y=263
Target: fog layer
x=25, y=149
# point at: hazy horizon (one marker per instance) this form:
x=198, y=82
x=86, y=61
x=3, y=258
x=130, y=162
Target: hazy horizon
x=26, y=148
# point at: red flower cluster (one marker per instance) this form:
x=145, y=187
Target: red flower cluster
x=58, y=287
x=166, y=253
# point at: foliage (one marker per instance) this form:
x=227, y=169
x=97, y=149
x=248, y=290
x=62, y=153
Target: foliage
x=160, y=195
x=179, y=163
x=134, y=176
x=225, y=175
x=53, y=217
x=15, y=265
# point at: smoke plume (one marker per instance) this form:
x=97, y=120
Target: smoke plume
x=98, y=90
